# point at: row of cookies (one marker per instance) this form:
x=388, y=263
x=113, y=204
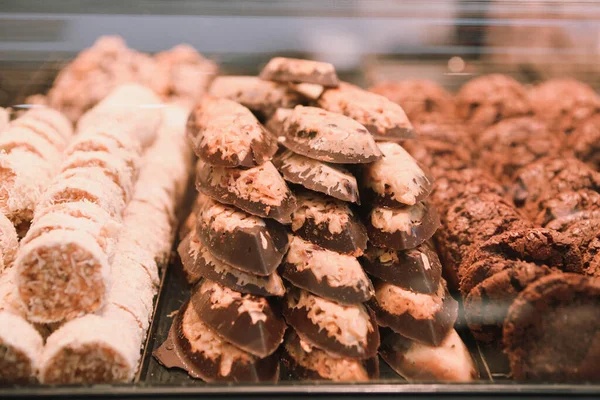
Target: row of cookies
x=495, y=253
x=178, y=75
x=104, y=347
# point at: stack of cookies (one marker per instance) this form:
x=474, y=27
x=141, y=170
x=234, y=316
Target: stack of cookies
x=231, y=327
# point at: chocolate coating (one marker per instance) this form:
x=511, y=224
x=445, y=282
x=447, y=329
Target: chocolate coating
x=418, y=269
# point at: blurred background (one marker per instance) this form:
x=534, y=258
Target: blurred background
x=367, y=40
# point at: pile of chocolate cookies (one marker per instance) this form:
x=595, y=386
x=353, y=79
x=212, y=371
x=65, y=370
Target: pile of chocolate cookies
x=519, y=217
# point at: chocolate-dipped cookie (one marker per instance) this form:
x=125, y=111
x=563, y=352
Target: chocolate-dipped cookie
x=396, y=180
x=487, y=99
x=564, y=103
x=487, y=303
x=418, y=269
x=585, y=141
x=537, y=245
x=414, y=361
x=244, y=320
x=426, y=318
x=260, y=190
x=197, y=349
x=330, y=179
x=307, y=362
x=328, y=222
x=551, y=332
x=455, y=185
x=402, y=228
x=198, y=262
x=226, y=134
x=260, y=96
x=346, y=331
x=243, y=241
x=511, y=144
x=327, y=136
x=385, y=119
x=294, y=70
x=328, y=274
x=421, y=99
x=472, y=220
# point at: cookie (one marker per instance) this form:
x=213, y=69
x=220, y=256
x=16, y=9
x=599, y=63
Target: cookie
x=551, y=331
x=567, y=203
x=306, y=362
x=488, y=99
x=564, y=103
x=328, y=223
x=396, y=180
x=536, y=245
x=261, y=97
x=414, y=361
x=248, y=322
x=325, y=273
x=342, y=330
x=511, y=144
x=421, y=99
x=473, y=220
x=584, y=229
x=487, y=303
x=383, y=118
x=438, y=157
x=455, y=185
x=225, y=133
x=260, y=191
x=584, y=141
x=294, y=70
x=195, y=347
x=330, y=179
x=425, y=318
x=329, y=137
x=418, y=269
x=402, y=228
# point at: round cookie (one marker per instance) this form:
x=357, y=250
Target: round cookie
x=549, y=177
x=564, y=103
x=536, y=245
x=421, y=99
x=585, y=141
x=472, y=220
x=437, y=156
x=488, y=99
x=511, y=144
x=455, y=185
x=552, y=330
x=567, y=203
x=487, y=303
x=584, y=229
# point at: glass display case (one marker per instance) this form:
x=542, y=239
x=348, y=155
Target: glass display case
x=281, y=198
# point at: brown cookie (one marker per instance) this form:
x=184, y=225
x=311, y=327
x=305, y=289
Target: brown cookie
x=225, y=133
x=473, y=220
x=437, y=156
x=293, y=70
x=383, y=118
x=548, y=177
x=488, y=99
x=330, y=137
x=585, y=141
x=564, y=103
x=487, y=303
x=552, y=332
x=537, y=245
x=262, y=97
x=511, y=144
x=584, y=229
x=567, y=203
x=421, y=99
x=455, y=185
